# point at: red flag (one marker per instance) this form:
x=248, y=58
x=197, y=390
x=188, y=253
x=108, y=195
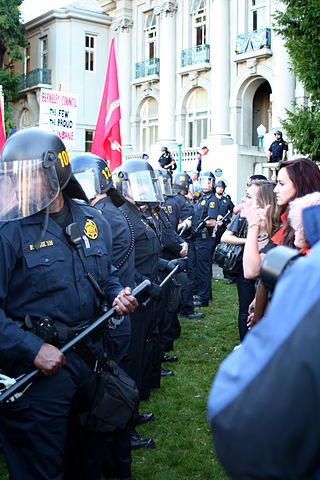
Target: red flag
x=107, y=140
x=2, y=134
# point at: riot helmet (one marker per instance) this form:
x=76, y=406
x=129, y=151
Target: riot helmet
x=92, y=173
x=139, y=183
x=220, y=183
x=207, y=182
x=181, y=180
x=34, y=168
x=165, y=179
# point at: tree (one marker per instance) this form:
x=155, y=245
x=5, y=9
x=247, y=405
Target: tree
x=299, y=26
x=12, y=40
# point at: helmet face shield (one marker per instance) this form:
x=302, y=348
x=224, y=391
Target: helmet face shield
x=165, y=183
x=142, y=187
x=26, y=188
x=166, y=186
x=89, y=182
x=92, y=173
x=206, y=183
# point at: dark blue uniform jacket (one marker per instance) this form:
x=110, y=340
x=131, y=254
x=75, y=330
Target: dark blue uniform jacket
x=264, y=405
x=178, y=208
x=121, y=242
x=206, y=206
x=50, y=281
x=277, y=148
x=147, y=244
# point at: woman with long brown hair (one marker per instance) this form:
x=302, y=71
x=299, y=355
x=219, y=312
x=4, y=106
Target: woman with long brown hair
x=296, y=178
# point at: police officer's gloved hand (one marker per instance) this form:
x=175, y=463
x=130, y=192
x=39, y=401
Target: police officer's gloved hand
x=154, y=290
x=181, y=262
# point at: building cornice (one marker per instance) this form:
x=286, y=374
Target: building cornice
x=68, y=14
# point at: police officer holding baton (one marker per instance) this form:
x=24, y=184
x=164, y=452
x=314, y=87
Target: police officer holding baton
x=48, y=285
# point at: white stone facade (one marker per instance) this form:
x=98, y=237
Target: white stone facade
x=219, y=96
x=181, y=79
x=63, y=65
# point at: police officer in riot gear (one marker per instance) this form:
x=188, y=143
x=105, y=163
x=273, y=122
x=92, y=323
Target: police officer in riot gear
x=95, y=178
x=205, y=217
x=172, y=246
x=138, y=183
x=178, y=206
x=182, y=215
x=44, y=288
x=225, y=206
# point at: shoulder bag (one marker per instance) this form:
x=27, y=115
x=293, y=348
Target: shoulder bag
x=229, y=257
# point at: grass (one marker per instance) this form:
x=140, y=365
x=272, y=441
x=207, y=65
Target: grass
x=184, y=447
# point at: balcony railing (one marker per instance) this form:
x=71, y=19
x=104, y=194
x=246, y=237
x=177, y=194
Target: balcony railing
x=253, y=41
x=194, y=55
x=188, y=158
x=148, y=67
x=35, y=77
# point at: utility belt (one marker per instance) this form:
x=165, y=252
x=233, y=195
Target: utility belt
x=205, y=233
x=58, y=334
x=51, y=331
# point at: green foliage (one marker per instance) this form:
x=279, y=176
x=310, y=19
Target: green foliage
x=303, y=130
x=12, y=40
x=299, y=25
x=12, y=31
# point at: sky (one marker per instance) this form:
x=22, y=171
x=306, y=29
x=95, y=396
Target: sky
x=33, y=8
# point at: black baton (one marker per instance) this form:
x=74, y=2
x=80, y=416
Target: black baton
x=162, y=284
x=29, y=377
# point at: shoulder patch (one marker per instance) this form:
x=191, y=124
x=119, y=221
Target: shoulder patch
x=212, y=204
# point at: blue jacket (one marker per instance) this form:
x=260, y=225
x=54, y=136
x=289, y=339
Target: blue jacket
x=51, y=281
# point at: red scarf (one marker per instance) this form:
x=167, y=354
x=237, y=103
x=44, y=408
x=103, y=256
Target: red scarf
x=277, y=237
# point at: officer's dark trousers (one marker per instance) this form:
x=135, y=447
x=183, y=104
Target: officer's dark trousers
x=34, y=427
x=138, y=363
x=119, y=340
x=169, y=326
x=204, y=268
x=186, y=305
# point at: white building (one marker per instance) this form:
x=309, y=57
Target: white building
x=67, y=50
x=191, y=72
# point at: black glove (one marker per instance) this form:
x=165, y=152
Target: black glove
x=181, y=262
x=154, y=290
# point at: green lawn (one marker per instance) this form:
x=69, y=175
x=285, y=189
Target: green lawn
x=184, y=448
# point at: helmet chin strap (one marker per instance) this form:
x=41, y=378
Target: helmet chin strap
x=44, y=228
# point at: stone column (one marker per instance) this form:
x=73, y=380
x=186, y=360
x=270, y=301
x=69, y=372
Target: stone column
x=167, y=98
x=220, y=72
x=123, y=28
x=283, y=91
